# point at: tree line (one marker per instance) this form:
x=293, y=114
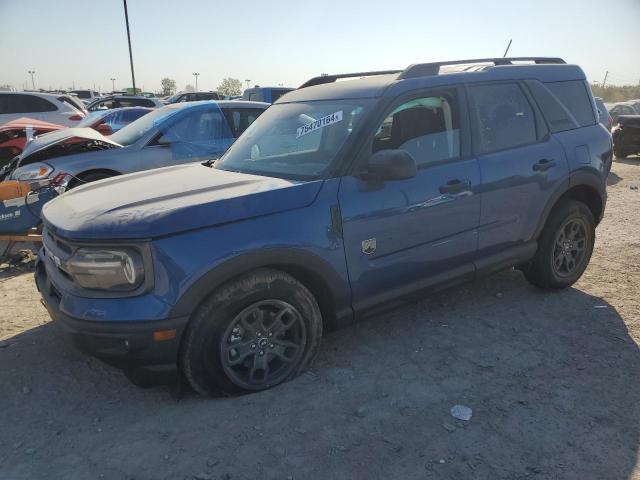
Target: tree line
x=228, y=87
x=616, y=93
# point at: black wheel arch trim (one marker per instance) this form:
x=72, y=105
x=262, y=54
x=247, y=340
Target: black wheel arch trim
x=579, y=178
x=325, y=283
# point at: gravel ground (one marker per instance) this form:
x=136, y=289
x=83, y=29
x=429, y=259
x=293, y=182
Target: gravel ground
x=552, y=379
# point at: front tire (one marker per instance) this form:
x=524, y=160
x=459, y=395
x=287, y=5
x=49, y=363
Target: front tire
x=564, y=247
x=257, y=331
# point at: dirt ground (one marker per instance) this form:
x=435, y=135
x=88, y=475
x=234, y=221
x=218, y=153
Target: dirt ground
x=552, y=378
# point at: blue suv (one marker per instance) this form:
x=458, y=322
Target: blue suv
x=341, y=199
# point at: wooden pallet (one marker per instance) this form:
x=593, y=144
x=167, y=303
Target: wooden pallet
x=13, y=239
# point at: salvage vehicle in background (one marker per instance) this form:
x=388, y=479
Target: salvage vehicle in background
x=174, y=134
x=342, y=199
x=15, y=134
x=626, y=136
x=47, y=107
x=623, y=108
x=119, y=101
x=110, y=121
x=264, y=94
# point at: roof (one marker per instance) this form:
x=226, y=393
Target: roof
x=220, y=103
x=431, y=75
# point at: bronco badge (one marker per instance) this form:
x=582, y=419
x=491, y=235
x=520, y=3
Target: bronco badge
x=369, y=246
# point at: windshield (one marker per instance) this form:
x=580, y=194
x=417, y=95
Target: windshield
x=135, y=130
x=295, y=140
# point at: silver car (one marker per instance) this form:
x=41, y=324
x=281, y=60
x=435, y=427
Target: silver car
x=171, y=135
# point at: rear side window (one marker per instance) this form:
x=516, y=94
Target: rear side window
x=574, y=97
x=25, y=104
x=501, y=116
x=255, y=96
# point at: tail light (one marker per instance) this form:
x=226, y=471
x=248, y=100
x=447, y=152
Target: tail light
x=76, y=117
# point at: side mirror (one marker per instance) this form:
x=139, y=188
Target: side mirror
x=391, y=165
x=166, y=139
x=104, y=129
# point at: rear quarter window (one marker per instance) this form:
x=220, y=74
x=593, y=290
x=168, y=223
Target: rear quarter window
x=573, y=95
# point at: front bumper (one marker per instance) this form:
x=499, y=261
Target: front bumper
x=121, y=343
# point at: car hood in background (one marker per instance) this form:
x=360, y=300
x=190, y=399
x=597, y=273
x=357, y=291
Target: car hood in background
x=66, y=135
x=169, y=200
x=24, y=122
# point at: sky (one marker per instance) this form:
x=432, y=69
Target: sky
x=83, y=43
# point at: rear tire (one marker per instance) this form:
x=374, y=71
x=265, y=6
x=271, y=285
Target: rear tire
x=257, y=331
x=564, y=247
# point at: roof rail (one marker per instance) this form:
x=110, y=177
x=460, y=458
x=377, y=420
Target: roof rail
x=322, y=79
x=429, y=69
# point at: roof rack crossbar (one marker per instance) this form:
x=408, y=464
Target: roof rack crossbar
x=430, y=69
x=322, y=79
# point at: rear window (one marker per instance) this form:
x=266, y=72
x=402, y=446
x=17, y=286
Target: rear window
x=574, y=97
x=276, y=94
x=82, y=93
x=71, y=101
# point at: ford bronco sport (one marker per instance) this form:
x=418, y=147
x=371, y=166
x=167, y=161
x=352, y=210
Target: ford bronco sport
x=341, y=199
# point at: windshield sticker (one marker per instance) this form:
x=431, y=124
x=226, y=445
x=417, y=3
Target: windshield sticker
x=321, y=122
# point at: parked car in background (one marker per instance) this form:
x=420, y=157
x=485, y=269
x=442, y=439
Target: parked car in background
x=47, y=107
x=626, y=136
x=110, y=121
x=340, y=200
x=603, y=114
x=86, y=96
x=15, y=134
x=192, y=97
x=119, y=101
x=636, y=105
x=265, y=94
x=171, y=135
x=623, y=108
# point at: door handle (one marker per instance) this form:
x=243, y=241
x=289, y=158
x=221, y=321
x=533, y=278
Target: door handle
x=455, y=186
x=543, y=165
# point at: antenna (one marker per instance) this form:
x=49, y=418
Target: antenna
x=508, y=47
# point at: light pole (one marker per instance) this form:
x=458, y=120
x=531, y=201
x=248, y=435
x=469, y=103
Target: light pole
x=248, y=81
x=33, y=83
x=113, y=84
x=196, y=75
x=126, y=19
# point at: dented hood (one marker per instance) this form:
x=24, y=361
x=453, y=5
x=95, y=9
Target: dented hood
x=170, y=200
x=63, y=136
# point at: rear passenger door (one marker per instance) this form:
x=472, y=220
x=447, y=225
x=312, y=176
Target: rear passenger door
x=521, y=165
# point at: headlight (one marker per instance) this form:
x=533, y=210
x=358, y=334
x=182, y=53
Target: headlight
x=35, y=171
x=107, y=269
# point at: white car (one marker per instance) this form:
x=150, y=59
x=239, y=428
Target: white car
x=48, y=107
x=85, y=96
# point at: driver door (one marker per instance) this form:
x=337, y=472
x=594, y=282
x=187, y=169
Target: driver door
x=404, y=235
